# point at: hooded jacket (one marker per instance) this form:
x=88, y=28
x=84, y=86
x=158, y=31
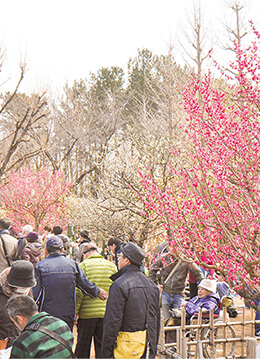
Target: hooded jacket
x=32, y=252
x=206, y=303
x=127, y=306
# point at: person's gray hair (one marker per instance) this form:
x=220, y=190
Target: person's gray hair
x=27, y=229
x=21, y=305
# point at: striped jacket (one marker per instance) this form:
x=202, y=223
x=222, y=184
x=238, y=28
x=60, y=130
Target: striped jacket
x=97, y=270
x=35, y=344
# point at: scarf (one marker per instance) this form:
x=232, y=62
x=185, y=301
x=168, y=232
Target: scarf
x=7, y=290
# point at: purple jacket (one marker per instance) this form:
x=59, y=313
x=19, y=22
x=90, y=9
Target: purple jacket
x=211, y=301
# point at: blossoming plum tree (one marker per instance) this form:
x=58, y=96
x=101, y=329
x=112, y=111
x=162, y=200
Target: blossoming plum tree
x=212, y=210
x=35, y=197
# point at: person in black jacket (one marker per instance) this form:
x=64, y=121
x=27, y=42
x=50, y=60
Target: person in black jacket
x=128, y=302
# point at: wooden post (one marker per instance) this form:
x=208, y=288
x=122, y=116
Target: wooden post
x=243, y=331
x=181, y=335
x=251, y=344
x=252, y=312
x=161, y=341
x=178, y=334
x=211, y=334
x=200, y=350
x=211, y=327
x=184, y=348
x=225, y=319
x=183, y=323
x=198, y=334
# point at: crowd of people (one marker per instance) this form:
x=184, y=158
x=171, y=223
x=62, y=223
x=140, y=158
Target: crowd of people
x=45, y=294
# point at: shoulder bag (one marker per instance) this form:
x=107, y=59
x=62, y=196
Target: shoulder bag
x=38, y=327
x=5, y=251
x=172, y=271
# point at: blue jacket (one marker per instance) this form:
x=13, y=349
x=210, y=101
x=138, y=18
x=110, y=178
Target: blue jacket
x=57, y=278
x=211, y=301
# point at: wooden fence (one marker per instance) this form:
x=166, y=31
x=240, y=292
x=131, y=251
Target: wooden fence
x=216, y=338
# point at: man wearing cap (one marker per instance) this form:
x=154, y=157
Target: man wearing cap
x=57, y=277
x=91, y=311
x=17, y=279
x=133, y=303
x=83, y=238
x=173, y=272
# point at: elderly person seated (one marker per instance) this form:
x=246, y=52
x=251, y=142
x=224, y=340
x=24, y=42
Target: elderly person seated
x=206, y=299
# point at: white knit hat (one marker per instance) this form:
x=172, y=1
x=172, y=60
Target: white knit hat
x=208, y=284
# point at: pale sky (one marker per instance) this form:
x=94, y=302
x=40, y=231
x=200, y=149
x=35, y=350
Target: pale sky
x=64, y=40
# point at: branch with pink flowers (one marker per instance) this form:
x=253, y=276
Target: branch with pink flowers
x=36, y=197
x=211, y=209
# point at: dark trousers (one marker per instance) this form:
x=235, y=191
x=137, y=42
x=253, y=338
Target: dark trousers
x=88, y=328
x=70, y=323
x=193, y=289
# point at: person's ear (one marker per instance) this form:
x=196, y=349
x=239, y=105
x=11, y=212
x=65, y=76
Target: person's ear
x=127, y=261
x=17, y=321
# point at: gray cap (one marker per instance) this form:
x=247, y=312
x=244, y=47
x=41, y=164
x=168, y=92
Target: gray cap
x=134, y=253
